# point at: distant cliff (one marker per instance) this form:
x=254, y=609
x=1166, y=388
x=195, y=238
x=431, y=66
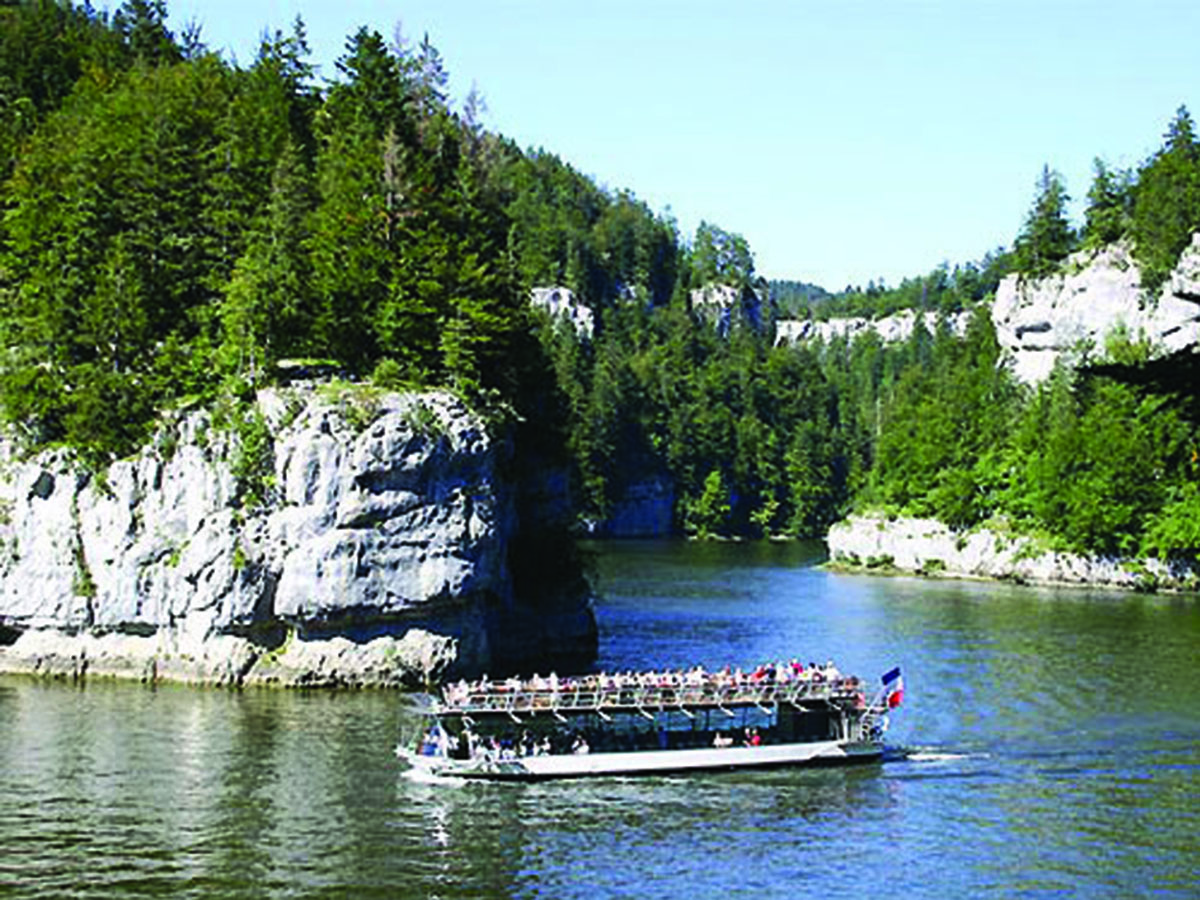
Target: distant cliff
x=382, y=551
x=927, y=547
x=1070, y=313
x=891, y=329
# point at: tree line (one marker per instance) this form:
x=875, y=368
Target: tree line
x=1156, y=207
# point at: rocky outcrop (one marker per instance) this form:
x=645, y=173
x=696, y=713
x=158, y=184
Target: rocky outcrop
x=1071, y=314
x=927, y=547
x=891, y=329
x=726, y=307
x=1095, y=294
x=560, y=303
x=380, y=557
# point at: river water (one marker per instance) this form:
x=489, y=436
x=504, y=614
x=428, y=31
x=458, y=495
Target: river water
x=1049, y=744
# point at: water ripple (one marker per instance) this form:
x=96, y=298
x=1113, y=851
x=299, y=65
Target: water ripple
x=1049, y=746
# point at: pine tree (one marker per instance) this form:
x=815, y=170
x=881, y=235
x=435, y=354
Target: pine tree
x=266, y=312
x=1110, y=206
x=143, y=25
x=1166, y=207
x=364, y=137
x=1047, y=236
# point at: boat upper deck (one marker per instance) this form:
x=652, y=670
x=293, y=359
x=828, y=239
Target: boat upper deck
x=650, y=691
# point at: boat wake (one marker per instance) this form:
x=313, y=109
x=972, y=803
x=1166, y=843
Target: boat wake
x=941, y=757
x=424, y=776
x=917, y=754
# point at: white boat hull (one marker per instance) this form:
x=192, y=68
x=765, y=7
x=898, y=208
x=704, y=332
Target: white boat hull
x=648, y=762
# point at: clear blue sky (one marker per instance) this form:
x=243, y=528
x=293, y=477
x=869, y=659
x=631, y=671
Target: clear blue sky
x=847, y=141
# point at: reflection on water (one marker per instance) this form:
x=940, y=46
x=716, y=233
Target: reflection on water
x=1050, y=744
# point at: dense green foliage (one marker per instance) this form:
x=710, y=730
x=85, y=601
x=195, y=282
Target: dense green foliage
x=1090, y=462
x=1156, y=207
x=944, y=290
x=749, y=435
x=174, y=222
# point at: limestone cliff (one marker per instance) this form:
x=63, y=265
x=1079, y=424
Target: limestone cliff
x=1068, y=314
x=382, y=555
x=1093, y=295
x=927, y=547
x=891, y=329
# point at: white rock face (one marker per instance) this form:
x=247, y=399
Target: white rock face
x=560, y=303
x=927, y=546
x=891, y=329
x=387, y=519
x=1099, y=292
x=725, y=305
x=716, y=296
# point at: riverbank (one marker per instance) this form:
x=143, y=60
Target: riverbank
x=930, y=548
x=411, y=661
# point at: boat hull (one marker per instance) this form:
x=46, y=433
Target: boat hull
x=651, y=762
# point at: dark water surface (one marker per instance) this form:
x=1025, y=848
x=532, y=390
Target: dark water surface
x=1054, y=741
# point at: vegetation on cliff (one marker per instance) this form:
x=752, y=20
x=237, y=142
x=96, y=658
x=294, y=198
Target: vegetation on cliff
x=1101, y=459
x=175, y=225
x=174, y=221
x=1156, y=206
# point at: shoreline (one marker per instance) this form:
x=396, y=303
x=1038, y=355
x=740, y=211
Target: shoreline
x=845, y=568
x=879, y=545
x=409, y=663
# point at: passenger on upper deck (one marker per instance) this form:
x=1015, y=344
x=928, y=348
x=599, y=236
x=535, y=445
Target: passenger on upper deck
x=614, y=687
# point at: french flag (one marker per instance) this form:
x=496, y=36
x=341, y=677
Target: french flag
x=893, y=688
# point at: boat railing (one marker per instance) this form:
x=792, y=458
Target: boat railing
x=583, y=697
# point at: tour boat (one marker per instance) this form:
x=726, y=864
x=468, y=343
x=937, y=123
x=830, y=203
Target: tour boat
x=648, y=723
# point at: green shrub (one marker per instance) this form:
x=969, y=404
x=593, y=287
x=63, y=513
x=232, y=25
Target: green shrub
x=932, y=567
